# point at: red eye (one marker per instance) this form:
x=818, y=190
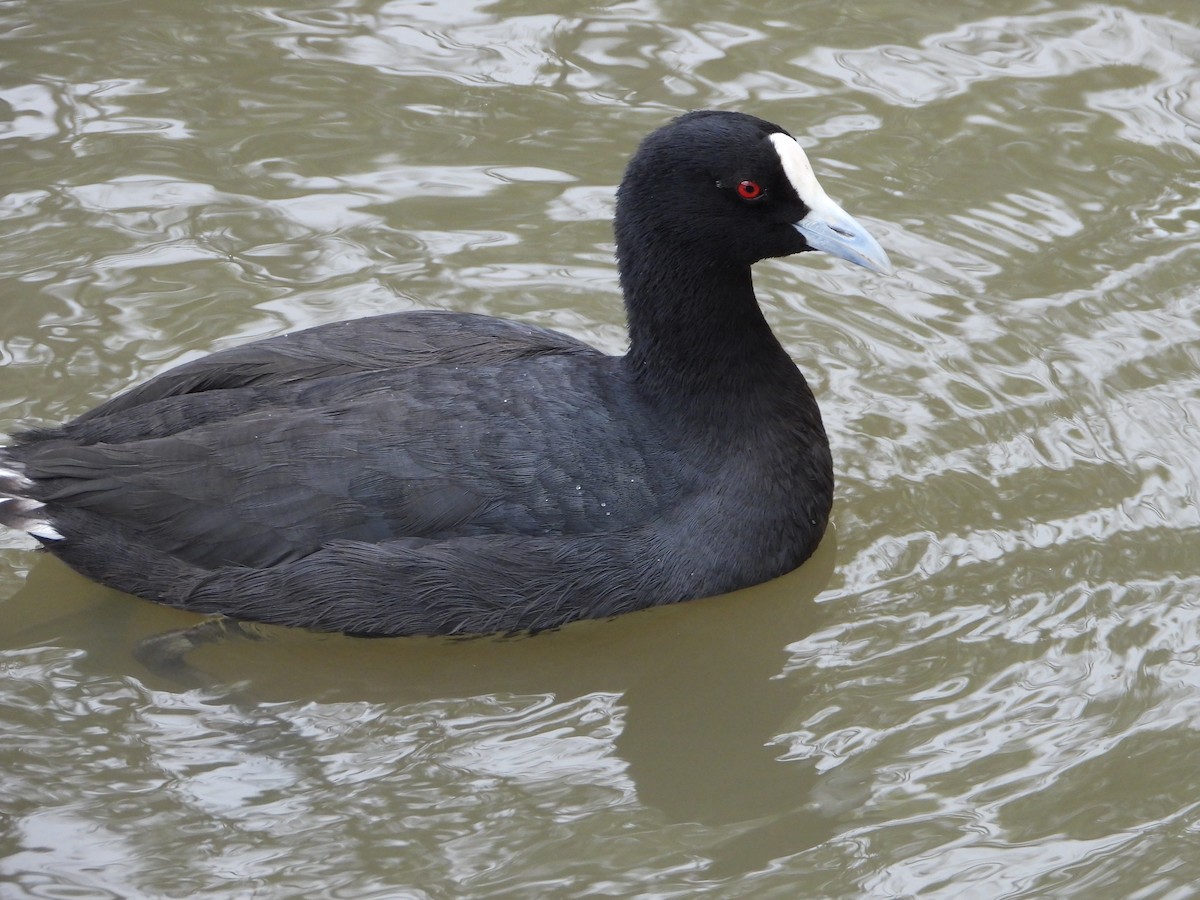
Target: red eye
x=749, y=190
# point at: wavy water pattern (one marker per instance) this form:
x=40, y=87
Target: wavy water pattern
x=985, y=683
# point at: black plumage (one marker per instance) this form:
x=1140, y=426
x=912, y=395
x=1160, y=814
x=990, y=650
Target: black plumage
x=428, y=472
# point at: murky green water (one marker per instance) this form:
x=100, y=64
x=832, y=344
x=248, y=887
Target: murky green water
x=986, y=684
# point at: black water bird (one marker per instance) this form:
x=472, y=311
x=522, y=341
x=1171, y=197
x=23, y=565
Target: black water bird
x=447, y=473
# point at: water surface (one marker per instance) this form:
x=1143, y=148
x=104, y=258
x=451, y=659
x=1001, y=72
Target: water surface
x=986, y=683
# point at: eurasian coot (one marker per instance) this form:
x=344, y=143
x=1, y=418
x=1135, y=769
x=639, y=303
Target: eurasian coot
x=445, y=473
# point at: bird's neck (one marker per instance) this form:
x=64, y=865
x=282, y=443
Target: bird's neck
x=695, y=329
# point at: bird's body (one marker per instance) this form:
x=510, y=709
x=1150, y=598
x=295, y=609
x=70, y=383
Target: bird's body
x=451, y=473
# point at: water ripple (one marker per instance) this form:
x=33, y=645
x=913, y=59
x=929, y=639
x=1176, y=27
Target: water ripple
x=1160, y=107
x=994, y=693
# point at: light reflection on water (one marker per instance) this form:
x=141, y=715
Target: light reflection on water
x=984, y=685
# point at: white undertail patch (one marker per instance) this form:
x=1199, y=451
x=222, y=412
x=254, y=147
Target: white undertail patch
x=45, y=531
x=15, y=478
x=23, y=513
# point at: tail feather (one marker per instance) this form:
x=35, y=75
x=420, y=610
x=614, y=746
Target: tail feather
x=12, y=479
x=19, y=511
